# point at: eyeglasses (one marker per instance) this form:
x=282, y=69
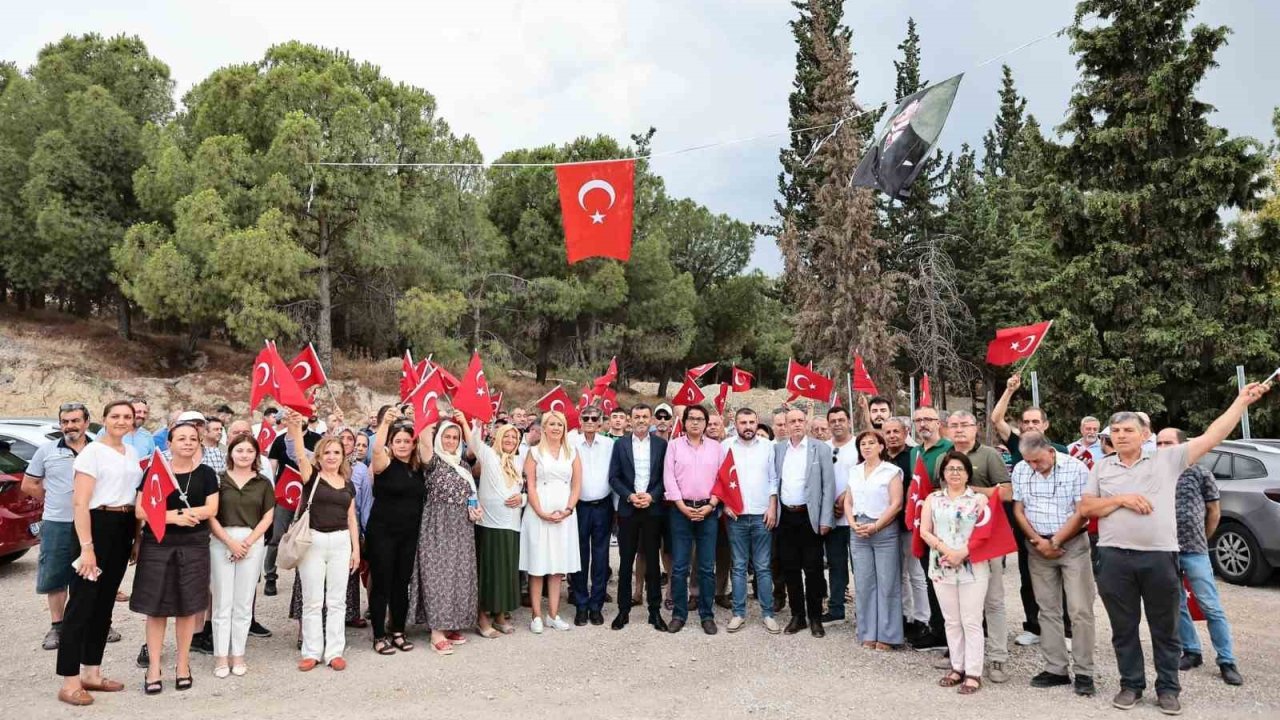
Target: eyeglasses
x=953, y=469
x=695, y=419
x=926, y=420
x=963, y=425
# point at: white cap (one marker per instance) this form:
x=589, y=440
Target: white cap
x=663, y=406
x=190, y=416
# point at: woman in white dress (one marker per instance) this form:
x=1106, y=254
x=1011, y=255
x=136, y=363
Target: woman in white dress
x=549, y=529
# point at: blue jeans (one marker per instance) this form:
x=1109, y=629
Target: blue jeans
x=594, y=522
x=837, y=548
x=1199, y=572
x=684, y=535
x=750, y=540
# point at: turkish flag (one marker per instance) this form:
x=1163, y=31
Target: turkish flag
x=1193, y=605
x=688, y=394
x=992, y=537
x=272, y=377
x=608, y=400
x=495, y=402
x=805, y=382
x=557, y=400
x=472, y=397
x=425, y=400
x=408, y=376
x=266, y=436
x=306, y=369
x=585, y=399
x=677, y=429
x=447, y=379
x=919, y=489
x=289, y=488
x=694, y=373
x=862, y=381
x=722, y=397
x=155, y=493
x=836, y=402
x=1014, y=344
x=1081, y=453
x=609, y=375
x=926, y=396
x=741, y=379
x=727, y=487
x=596, y=202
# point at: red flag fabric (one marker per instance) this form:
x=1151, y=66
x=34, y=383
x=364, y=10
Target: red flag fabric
x=1014, y=344
x=596, y=203
x=722, y=397
x=862, y=381
x=559, y=401
x=835, y=403
x=472, y=397
x=992, y=537
x=495, y=402
x=741, y=379
x=447, y=379
x=726, y=487
x=677, y=429
x=155, y=493
x=919, y=489
x=926, y=395
x=585, y=399
x=426, y=401
x=608, y=400
x=689, y=393
x=307, y=370
x=266, y=436
x=289, y=488
x=1081, y=453
x=409, y=376
x=806, y=382
x=694, y=373
x=1193, y=605
x=272, y=377
x=609, y=375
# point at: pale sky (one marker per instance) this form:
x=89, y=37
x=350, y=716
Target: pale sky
x=521, y=73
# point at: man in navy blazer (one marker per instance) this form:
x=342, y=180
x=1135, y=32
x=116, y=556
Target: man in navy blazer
x=635, y=475
x=806, y=495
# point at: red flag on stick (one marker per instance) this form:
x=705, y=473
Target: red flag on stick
x=155, y=494
x=698, y=371
x=272, y=377
x=409, y=376
x=920, y=488
x=608, y=400
x=495, y=402
x=992, y=537
x=688, y=394
x=307, y=370
x=926, y=396
x=727, y=487
x=472, y=397
x=596, y=203
x=426, y=402
x=862, y=381
x=558, y=400
x=741, y=379
x=1193, y=605
x=1017, y=343
x=289, y=488
x=609, y=375
x=447, y=379
x=805, y=382
x=266, y=436
x=722, y=397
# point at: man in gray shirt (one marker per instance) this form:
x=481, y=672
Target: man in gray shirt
x=1133, y=495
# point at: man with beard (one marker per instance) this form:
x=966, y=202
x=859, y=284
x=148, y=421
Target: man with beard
x=750, y=534
x=1089, y=442
x=844, y=455
x=875, y=412
x=931, y=449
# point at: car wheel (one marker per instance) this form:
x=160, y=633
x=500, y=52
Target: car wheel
x=5, y=560
x=1237, y=556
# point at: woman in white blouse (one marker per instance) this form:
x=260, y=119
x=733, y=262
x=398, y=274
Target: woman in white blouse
x=501, y=495
x=872, y=505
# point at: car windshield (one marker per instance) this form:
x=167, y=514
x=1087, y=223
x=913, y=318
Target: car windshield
x=9, y=463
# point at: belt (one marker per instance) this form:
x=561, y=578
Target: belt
x=1077, y=534
x=796, y=508
x=695, y=504
x=594, y=503
x=115, y=508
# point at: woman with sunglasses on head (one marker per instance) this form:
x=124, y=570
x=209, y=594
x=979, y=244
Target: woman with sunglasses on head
x=392, y=531
x=172, y=576
x=107, y=475
x=246, y=508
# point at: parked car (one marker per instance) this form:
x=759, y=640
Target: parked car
x=1246, y=547
x=28, y=433
x=19, y=513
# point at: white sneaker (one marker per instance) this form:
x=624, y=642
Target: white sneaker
x=772, y=626
x=535, y=627
x=221, y=671
x=555, y=622
x=1027, y=638
x=736, y=623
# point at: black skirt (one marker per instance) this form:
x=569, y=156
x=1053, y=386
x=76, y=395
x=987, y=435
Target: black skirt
x=172, y=578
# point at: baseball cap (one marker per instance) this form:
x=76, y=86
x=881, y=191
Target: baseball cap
x=190, y=416
x=663, y=407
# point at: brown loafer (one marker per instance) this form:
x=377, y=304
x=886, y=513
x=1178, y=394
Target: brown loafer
x=78, y=697
x=103, y=685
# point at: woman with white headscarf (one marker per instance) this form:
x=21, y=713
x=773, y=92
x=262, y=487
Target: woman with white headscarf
x=442, y=590
x=502, y=496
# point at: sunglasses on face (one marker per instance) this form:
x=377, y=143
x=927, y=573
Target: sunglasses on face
x=662, y=416
x=590, y=419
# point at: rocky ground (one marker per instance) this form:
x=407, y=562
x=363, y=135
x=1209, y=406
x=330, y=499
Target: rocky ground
x=593, y=671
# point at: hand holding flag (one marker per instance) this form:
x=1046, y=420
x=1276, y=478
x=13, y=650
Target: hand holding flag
x=727, y=488
x=992, y=537
x=155, y=494
x=472, y=397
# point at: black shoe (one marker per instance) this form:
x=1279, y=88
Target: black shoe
x=144, y=657
x=580, y=617
x=1190, y=660
x=620, y=621
x=829, y=619
x=202, y=643
x=779, y=604
x=608, y=597
x=655, y=619
x=1230, y=675
x=596, y=617
x=796, y=625
x=724, y=602
x=1084, y=686
x=709, y=626
x=930, y=641
x=256, y=630
x=663, y=579
x=1047, y=679
x=1126, y=699
x=676, y=625
x=270, y=589
x=816, y=629
x=1168, y=703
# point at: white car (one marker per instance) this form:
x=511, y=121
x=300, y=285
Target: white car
x=26, y=434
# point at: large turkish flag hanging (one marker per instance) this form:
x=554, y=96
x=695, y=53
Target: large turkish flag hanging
x=596, y=204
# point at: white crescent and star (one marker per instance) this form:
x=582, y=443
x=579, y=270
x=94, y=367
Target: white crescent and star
x=552, y=405
x=293, y=499
x=597, y=218
x=305, y=367
x=266, y=372
x=985, y=517
x=1029, y=340
x=808, y=383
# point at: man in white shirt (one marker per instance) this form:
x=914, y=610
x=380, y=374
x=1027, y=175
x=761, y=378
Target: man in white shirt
x=635, y=474
x=844, y=455
x=595, y=519
x=751, y=533
x=806, y=493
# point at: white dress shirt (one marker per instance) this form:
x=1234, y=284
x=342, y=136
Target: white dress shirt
x=640, y=450
x=595, y=467
x=845, y=459
x=871, y=491
x=795, y=466
x=756, y=475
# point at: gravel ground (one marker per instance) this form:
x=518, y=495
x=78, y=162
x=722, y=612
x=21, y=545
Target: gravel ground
x=636, y=672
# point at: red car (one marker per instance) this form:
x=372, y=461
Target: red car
x=19, y=513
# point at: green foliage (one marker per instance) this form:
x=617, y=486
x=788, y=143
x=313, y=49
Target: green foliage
x=427, y=321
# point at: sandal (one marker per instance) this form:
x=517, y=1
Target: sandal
x=455, y=637
x=488, y=633
x=152, y=687
x=883, y=646
x=505, y=628
x=869, y=644
x=444, y=647
x=182, y=683
x=400, y=642
x=967, y=689
x=951, y=679
x=382, y=646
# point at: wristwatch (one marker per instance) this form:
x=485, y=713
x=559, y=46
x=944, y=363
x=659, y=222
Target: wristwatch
x=1053, y=543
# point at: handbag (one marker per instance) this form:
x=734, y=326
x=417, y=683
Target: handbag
x=297, y=539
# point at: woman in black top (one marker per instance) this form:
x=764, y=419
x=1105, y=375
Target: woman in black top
x=392, y=533
x=172, y=576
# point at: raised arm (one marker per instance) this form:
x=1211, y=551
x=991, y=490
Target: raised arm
x=381, y=453
x=293, y=421
x=1002, y=407
x=1226, y=422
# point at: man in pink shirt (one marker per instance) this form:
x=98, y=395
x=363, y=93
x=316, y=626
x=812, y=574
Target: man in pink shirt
x=690, y=467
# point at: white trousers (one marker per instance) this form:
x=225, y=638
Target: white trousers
x=915, y=593
x=324, y=585
x=234, y=584
x=962, y=612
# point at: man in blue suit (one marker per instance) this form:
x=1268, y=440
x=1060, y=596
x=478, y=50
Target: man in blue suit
x=635, y=475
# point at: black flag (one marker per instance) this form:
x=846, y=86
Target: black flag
x=898, y=151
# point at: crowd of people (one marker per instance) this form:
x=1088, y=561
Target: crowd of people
x=456, y=527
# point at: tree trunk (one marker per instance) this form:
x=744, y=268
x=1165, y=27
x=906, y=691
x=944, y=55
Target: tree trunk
x=544, y=354
x=124, y=318
x=324, y=315
x=24, y=300
x=475, y=325
x=662, y=381
x=38, y=299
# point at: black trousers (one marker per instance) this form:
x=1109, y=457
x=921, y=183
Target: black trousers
x=1131, y=583
x=88, y=615
x=641, y=531
x=391, y=554
x=800, y=558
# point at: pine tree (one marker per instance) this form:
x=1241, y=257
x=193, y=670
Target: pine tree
x=999, y=143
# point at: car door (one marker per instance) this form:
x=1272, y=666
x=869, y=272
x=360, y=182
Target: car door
x=19, y=447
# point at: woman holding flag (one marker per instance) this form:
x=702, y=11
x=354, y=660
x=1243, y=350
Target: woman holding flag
x=392, y=531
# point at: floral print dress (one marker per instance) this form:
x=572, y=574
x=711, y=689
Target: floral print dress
x=953, y=523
